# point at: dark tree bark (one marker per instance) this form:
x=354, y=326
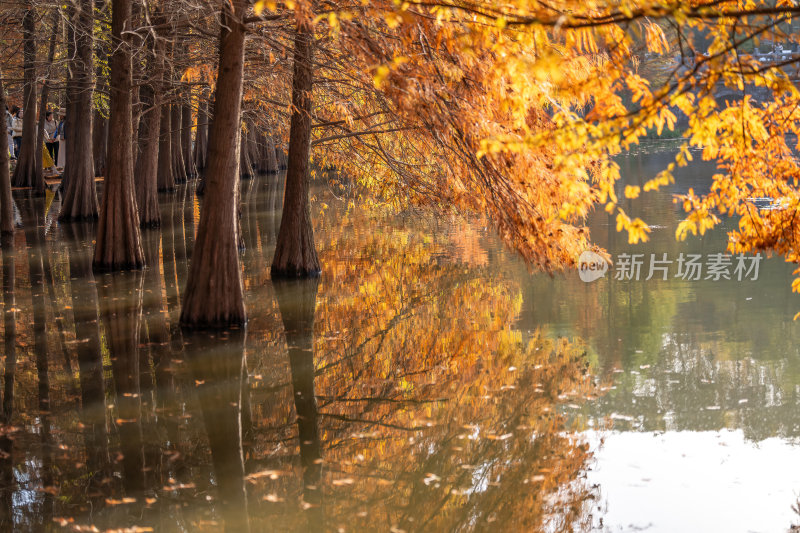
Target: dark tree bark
x=6, y=204
x=186, y=136
x=272, y=159
x=100, y=134
x=213, y=295
x=297, y=302
x=100, y=124
x=245, y=166
x=166, y=179
x=39, y=186
x=28, y=172
x=80, y=197
x=295, y=254
x=201, y=137
x=178, y=168
x=146, y=173
x=118, y=244
x=201, y=184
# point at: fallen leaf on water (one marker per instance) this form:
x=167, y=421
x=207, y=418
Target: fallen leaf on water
x=111, y=501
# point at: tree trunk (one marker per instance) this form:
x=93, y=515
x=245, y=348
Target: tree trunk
x=295, y=254
x=166, y=179
x=201, y=185
x=80, y=197
x=6, y=204
x=38, y=189
x=245, y=166
x=272, y=158
x=213, y=295
x=201, y=138
x=100, y=134
x=28, y=172
x=178, y=168
x=186, y=135
x=118, y=244
x=146, y=173
x=100, y=126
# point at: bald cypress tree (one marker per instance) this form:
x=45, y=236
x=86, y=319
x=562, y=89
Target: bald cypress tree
x=213, y=296
x=80, y=197
x=295, y=254
x=118, y=244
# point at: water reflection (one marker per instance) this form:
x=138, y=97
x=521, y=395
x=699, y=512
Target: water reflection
x=393, y=392
x=7, y=518
x=297, y=302
x=218, y=366
x=421, y=384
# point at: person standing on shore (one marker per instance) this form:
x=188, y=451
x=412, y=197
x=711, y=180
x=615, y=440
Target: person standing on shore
x=9, y=131
x=62, y=140
x=16, y=129
x=50, y=140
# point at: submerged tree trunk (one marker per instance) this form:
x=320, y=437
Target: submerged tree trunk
x=166, y=179
x=178, y=168
x=80, y=197
x=201, y=137
x=213, y=295
x=147, y=163
x=186, y=135
x=39, y=187
x=272, y=158
x=118, y=244
x=295, y=254
x=28, y=172
x=145, y=172
x=6, y=203
x=100, y=124
x=100, y=134
x=245, y=166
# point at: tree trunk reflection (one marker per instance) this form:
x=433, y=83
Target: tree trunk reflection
x=297, y=301
x=218, y=364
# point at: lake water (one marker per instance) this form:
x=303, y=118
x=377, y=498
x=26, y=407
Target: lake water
x=426, y=382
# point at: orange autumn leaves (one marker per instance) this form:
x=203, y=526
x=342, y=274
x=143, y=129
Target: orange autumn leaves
x=513, y=112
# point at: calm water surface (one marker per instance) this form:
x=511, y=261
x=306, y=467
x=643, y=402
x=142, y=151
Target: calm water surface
x=427, y=382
